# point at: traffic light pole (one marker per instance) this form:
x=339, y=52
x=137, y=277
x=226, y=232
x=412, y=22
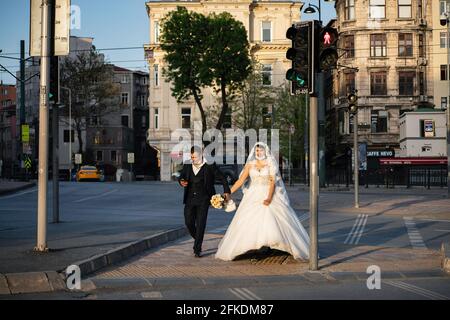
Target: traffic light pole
x=43, y=128
x=55, y=166
x=356, y=153
x=314, y=182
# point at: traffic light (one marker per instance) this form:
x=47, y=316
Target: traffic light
x=54, y=80
x=328, y=56
x=352, y=99
x=300, y=54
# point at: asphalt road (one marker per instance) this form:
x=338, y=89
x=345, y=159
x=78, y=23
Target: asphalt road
x=126, y=211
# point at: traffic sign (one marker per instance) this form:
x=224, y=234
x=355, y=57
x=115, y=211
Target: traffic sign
x=131, y=158
x=28, y=162
x=25, y=133
x=61, y=25
x=78, y=158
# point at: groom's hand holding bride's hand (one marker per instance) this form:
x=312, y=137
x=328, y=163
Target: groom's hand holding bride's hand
x=183, y=183
x=227, y=196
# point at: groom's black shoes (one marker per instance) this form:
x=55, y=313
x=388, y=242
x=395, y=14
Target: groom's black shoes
x=197, y=254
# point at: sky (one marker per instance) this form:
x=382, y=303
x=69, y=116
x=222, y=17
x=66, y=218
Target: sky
x=112, y=24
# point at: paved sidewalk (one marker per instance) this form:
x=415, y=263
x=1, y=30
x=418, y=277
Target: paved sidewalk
x=415, y=202
x=176, y=261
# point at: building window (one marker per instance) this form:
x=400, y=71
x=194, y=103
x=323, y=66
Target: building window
x=125, y=79
x=349, y=82
x=99, y=155
x=443, y=39
x=421, y=83
x=405, y=45
x=186, y=118
x=406, y=83
x=378, y=84
x=443, y=102
x=349, y=9
x=267, y=31
x=267, y=74
x=420, y=8
x=114, y=156
x=404, y=9
x=156, y=118
x=341, y=121
x=124, y=98
x=378, y=45
x=442, y=7
x=379, y=121
x=377, y=9
x=125, y=121
x=156, y=74
x=67, y=137
x=156, y=31
x=421, y=46
x=349, y=46
x=444, y=72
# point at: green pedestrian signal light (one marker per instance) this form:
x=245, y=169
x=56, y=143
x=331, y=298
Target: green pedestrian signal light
x=300, y=74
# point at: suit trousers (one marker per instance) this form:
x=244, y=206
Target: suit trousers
x=195, y=216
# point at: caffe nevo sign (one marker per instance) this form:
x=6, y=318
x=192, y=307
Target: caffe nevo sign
x=381, y=153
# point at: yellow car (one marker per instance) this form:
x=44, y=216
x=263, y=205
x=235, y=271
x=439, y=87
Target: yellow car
x=88, y=173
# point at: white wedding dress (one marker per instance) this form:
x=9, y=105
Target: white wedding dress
x=256, y=225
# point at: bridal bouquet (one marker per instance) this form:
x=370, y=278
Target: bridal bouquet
x=218, y=202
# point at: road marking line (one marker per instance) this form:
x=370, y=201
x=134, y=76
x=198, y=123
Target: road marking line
x=250, y=293
x=99, y=196
x=362, y=229
x=237, y=294
x=358, y=228
x=18, y=194
x=440, y=230
x=353, y=228
x=415, y=238
x=417, y=290
x=434, y=220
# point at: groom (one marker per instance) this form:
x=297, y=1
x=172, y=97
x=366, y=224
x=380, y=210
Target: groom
x=198, y=182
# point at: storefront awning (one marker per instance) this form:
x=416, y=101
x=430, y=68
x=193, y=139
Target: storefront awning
x=412, y=161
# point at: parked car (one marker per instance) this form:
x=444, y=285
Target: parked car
x=89, y=173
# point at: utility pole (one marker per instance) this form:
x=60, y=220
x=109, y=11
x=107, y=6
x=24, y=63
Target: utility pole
x=55, y=171
x=356, y=152
x=353, y=110
x=314, y=182
x=47, y=7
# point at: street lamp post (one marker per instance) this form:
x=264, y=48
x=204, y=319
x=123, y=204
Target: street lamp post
x=447, y=14
x=445, y=21
x=70, y=131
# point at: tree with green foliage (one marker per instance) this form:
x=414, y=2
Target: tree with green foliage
x=184, y=38
x=291, y=110
x=94, y=92
x=227, y=59
x=204, y=51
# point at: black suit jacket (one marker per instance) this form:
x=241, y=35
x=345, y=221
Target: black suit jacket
x=211, y=174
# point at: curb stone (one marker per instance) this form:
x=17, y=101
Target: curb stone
x=50, y=281
x=445, y=257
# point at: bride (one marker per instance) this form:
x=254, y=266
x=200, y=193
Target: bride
x=264, y=217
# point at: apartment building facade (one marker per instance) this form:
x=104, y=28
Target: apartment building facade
x=266, y=23
x=387, y=56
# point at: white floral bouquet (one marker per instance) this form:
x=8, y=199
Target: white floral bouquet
x=218, y=202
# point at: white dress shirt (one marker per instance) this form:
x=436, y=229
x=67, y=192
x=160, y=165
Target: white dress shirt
x=196, y=168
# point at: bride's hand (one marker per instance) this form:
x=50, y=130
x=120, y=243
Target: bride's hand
x=267, y=201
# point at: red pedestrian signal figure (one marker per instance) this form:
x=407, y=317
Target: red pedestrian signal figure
x=327, y=39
